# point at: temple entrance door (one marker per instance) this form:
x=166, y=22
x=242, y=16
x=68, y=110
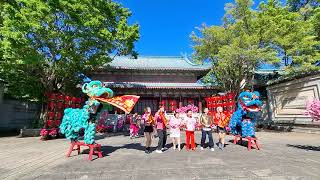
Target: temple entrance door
x=187, y=101
x=146, y=102
x=170, y=104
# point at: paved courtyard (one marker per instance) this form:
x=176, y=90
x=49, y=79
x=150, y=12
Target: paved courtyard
x=283, y=156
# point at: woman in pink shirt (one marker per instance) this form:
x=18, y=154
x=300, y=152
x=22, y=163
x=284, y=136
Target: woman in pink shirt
x=175, y=123
x=161, y=123
x=134, y=128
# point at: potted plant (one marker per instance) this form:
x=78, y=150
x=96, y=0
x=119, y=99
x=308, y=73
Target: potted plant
x=44, y=133
x=53, y=133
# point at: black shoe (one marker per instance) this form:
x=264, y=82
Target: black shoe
x=147, y=150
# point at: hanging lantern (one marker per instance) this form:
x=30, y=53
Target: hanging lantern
x=52, y=97
x=60, y=97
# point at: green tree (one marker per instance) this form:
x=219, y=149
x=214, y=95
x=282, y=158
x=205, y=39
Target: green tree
x=290, y=35
x=248, y=38
x=45, y=46
x=309, y=9
x=315, y=19
x=235, y=48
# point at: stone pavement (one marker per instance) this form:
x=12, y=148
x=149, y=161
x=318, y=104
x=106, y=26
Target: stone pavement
x=283, y=156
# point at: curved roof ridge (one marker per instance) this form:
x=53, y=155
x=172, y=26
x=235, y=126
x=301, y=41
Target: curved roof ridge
x=185, y=57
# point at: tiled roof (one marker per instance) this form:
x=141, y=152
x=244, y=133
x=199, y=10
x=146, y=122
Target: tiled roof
x=157, y=63
x=297, y=76
x=149, y=85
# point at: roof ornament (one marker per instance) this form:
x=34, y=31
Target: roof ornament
x=186, y=58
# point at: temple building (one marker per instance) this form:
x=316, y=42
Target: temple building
x=170, y=81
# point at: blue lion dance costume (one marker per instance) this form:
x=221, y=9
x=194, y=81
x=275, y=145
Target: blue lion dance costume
x=243, y=120
x=74, y=120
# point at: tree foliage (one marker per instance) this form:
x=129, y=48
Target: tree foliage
x=250, y=37
x=45, y=46
x=234, y=48
x=298, y=5
x=290, y=35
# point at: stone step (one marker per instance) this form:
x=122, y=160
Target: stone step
x=309, y=130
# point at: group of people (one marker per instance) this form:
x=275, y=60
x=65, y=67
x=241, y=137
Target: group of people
x=159, y=123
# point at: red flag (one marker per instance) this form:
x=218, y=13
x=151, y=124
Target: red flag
x=125, y=103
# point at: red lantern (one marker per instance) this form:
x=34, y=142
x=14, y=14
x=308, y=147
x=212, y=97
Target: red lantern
x=58, y=122
x=51, y=115
x=213, y=100
x=172, y=105
x=51, y=105
x=60, y=97
x=59, y=115
x=214, y=106
x=66, y=105
x=60, y=105
x=161, y=103
x=50, y=123
x=67, y=99
x=78, y=100
x=74, y=100
x=52, y=97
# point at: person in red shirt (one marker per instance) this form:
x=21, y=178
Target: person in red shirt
x=222, y=120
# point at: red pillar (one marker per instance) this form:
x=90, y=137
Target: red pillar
x=180, y=102
x=200, y=106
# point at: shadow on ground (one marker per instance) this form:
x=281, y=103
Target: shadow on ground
x=107, y=150
x=305, y=147
x=104, y=135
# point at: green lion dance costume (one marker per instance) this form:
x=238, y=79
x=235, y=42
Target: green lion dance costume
x=74, y=120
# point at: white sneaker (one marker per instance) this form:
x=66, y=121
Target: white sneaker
x=212, y=149
x=159, y=151
x=201, y=148
x=164, y=149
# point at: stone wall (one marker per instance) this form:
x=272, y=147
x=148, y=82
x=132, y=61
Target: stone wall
x=15, y=115
x=287, y=100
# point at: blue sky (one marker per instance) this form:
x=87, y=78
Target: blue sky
x=166, y=25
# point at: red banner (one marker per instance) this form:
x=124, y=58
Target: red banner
x=125, y=103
